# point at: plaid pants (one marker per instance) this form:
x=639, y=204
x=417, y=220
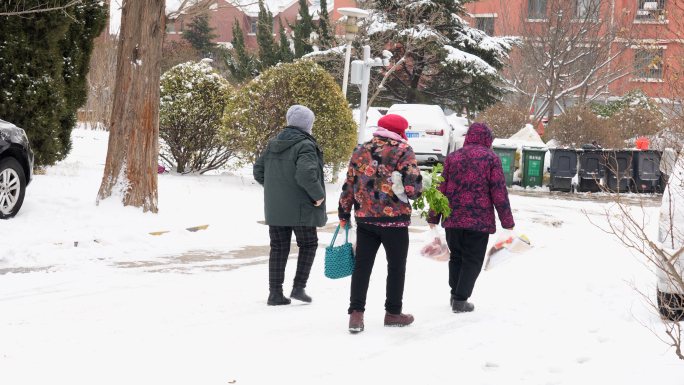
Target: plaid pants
x=281, y=237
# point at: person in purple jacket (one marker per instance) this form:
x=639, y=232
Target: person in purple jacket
x=475, y=185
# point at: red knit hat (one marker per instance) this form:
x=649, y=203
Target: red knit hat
x=394, y=123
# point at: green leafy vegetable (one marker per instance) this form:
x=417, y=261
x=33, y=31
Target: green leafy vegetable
x=432, y=198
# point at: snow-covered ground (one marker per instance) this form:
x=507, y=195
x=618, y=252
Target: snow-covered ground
x=127, y=307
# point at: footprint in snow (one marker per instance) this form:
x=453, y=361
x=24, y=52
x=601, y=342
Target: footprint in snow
x=581, y=360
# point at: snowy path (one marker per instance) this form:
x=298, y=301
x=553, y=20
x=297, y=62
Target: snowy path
x=138, y=309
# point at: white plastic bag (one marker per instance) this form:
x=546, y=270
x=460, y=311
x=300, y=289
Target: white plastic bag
x=435, y=246
x=507, y=244
x=352, y=237
x=398, y=187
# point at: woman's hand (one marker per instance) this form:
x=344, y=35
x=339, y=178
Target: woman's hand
x=318, y=203
x=432, y=225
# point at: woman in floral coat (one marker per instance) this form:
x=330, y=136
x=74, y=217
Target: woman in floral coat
x=475, y=185
x=382, y=216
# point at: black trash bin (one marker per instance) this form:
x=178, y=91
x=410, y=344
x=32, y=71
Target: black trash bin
x=619, y=170
x=592, y=169
x=646, y=171
x=563, y=168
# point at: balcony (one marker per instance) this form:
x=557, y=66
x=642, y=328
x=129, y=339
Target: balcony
x=651, y=11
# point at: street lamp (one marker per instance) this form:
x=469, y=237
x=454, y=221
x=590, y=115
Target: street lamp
x=361, y=75
x=350, y=28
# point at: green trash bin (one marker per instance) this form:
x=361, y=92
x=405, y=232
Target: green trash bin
x=533, y=166
x=507, y=156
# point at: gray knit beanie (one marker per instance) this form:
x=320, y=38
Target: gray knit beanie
x=300, y=117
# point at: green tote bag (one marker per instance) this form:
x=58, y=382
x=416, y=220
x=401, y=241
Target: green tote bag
x=339, y=260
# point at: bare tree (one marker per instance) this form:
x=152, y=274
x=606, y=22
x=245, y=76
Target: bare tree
x=98, y=109
x=19, y=7
x=632, y=227
x=661, y=71
x=572, y=52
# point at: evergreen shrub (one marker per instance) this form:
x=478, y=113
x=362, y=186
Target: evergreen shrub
x=44, y=63
x=193, y=97
x=258, y=112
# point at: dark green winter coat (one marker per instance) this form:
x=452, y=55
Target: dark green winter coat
x=291, y=171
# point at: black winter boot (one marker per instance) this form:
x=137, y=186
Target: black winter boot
x=300, y=294
x=462, y=306
x=276, y=298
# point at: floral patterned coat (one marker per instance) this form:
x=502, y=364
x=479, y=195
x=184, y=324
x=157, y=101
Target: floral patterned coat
x=368, y=186
x=474, y=183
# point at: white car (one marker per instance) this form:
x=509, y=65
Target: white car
x=671, y=241
x=429, y=133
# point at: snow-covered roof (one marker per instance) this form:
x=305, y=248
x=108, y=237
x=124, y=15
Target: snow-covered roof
x=525, y=137
x=251, y=7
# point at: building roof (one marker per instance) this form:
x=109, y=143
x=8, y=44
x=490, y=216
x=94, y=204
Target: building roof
x=251, y=7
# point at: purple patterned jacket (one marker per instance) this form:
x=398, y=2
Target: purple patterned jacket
x=475, y=184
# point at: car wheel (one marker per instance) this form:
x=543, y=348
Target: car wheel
x=12, y=187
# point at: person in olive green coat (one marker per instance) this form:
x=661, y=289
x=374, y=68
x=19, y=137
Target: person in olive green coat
x=291, y=171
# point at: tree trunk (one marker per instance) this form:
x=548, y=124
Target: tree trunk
x=132, y=156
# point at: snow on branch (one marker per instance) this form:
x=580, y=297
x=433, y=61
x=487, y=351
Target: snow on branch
x=422, y=31
x=471, y=63
x=54, y=5
x=332, y=51
x=477, y=38
x=377, y=23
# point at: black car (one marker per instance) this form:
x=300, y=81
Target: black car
x=16, y=168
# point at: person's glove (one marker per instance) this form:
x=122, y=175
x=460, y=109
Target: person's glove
x=427, y=180
x=398, y=187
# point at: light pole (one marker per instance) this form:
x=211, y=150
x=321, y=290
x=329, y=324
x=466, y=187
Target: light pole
x=361, y=75
x=350, y=28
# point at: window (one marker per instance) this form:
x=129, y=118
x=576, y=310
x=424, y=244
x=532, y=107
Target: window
x=485, y=24
x=650, y=10
x=648, y=63
x=536, y=9
x=182, y=26
x=253, y=25
x=170, y=28
x=588, y=9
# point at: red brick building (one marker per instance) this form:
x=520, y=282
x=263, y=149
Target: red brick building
x=223, y=15
x=653, y=23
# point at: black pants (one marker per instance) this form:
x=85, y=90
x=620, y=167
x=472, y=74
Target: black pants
x=468, y=248
x=395, y=240
x=281, y=237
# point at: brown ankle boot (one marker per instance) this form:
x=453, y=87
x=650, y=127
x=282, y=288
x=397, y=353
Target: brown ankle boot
x=356, y=321
x=400, y=319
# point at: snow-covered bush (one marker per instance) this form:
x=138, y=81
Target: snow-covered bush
x=635, y=121
x=634, y=98
x=193, y=97
x=504, y=119
x=578, y=126
x=257, y=113
x=631, y=116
